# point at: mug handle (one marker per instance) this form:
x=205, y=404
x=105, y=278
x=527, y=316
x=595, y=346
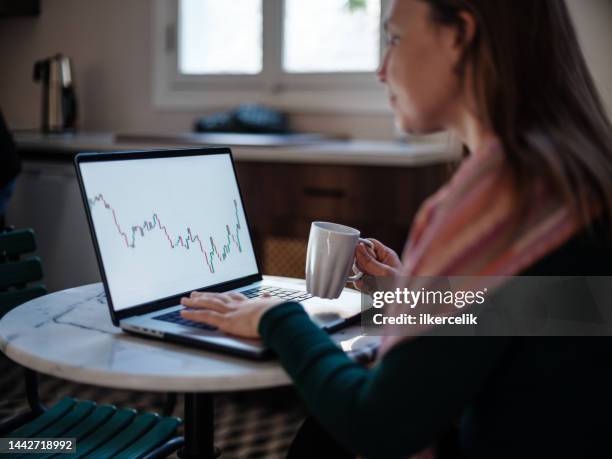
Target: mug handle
x=358, y=275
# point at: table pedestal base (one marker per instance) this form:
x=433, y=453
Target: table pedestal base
x=199, y=428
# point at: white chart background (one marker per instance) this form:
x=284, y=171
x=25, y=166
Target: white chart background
x=195, y=192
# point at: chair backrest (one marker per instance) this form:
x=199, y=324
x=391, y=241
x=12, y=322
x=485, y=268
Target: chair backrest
x=15, y=272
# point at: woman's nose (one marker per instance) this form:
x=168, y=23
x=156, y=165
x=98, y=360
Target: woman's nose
x=382, y=69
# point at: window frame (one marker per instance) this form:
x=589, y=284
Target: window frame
x=354, y=92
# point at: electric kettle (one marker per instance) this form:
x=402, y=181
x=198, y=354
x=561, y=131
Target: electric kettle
x=59, y=105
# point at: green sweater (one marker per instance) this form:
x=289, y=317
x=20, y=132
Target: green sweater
x=393, y=410
x=515, y=397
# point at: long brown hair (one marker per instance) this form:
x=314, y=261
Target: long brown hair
x=532, y=84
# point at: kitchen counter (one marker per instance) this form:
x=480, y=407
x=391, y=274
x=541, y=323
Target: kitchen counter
x=293, y=149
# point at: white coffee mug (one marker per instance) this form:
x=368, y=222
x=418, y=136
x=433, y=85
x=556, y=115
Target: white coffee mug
x=329, y=258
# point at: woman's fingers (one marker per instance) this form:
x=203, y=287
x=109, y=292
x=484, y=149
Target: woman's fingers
x=371, y=249
x=213, y=303
x=358, y=284
x=386, y=255
x=225, y=297
x=236, y=296
x=368, y=264
x=378, y=247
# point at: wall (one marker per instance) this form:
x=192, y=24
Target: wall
x=593, y=20
x=109, y=42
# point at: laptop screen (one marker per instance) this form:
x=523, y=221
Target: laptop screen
x=167, y=225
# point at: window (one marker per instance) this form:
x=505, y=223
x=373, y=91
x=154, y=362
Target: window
x=329, y=36
x=298, y=54
x=207, y=45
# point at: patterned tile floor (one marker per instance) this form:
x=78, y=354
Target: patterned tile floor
x=257, y=424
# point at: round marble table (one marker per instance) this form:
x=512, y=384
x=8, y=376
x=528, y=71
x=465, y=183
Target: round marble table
x=69, y=334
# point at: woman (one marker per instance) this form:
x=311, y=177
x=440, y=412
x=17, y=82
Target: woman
x=533, y=197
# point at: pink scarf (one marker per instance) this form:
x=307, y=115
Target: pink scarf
x=473, y=226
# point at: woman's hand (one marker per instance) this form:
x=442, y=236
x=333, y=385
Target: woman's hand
x=232, y=313
x=379, y=261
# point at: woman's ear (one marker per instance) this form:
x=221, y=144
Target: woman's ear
x=458, y=35
x=466, y=30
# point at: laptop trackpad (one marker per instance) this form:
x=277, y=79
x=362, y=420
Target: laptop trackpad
x=333, y=313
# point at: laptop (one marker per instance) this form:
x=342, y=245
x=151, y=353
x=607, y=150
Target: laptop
x=167, y=222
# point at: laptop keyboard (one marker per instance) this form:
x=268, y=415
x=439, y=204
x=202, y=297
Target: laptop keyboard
x=284, y=293
x=176, y=318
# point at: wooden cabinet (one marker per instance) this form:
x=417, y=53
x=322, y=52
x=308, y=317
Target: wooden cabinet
x=283, y=199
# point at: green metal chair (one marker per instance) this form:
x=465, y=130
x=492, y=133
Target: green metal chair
x=101, y=431
x=16, y=273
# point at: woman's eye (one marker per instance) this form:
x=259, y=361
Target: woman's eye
x=392, y=40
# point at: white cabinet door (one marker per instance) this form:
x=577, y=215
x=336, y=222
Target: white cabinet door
x=47, y=199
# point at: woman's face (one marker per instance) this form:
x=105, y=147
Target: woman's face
x=418, y=68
